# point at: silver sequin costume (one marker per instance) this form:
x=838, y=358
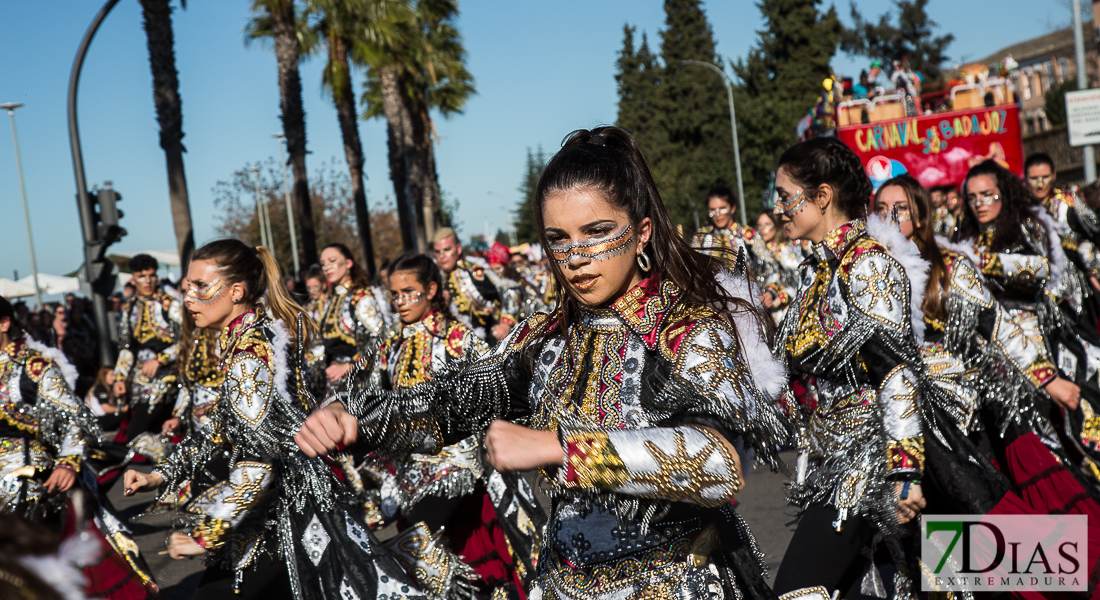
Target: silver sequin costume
x=149, y=330
x=851, y=329
x=42, y=426
x=275, y=499
x=645, y=396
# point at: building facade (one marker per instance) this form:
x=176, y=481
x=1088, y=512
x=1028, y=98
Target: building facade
x=1046, y=62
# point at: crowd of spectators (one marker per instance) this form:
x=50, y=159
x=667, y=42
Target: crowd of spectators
x=69, y=327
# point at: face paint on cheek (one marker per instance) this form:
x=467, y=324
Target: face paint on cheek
x=208, y=294
x=594, y=250
x=793, y=206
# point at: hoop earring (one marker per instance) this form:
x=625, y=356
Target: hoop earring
x=823, y=209
x=643, y=262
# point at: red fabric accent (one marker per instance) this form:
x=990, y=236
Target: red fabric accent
x=679, y=330
x=499, y=254
x=572, y=449
x=120, y=437
x=897, y=458
x=108, y=477
x=803, y=396
x=1049, y=489
x=337, y=470
x=112, y=578
x=476, y=536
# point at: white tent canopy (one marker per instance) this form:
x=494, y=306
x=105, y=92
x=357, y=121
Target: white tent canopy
x=10, y=288
x=52, y=284
x=48, y=284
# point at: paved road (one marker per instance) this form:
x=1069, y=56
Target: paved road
x=762, y=505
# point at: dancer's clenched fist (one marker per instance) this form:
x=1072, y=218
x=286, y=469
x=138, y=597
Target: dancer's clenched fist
x=326, y=429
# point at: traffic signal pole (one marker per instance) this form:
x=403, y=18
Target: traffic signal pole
x=83, y=202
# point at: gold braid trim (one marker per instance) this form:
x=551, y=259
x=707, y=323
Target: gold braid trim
x=213, y=532
x=591, y=462
x=72, y=461
x=905, y=454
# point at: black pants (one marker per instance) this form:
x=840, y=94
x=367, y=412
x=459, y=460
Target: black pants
x=266, y=579
x=143, y=418
x=818, y=555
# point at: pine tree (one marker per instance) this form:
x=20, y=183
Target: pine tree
x=781, y=79
x=526, y=229
x=639, y=81
x=694, y=114
x=911, y=38
x=678, y=114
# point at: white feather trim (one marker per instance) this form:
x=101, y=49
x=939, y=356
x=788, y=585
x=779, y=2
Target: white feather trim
x=68, y=371
x=908, y=256
x=477, y=260
x=63, y=571
x=1057, y=256
x=768, y=372
x=282, y=339
x=964, y=248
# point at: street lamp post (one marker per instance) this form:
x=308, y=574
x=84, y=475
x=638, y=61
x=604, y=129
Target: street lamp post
x=94, y=264
x=261, y=211
x=289, y=206
x=10, y=107
x=733, y=126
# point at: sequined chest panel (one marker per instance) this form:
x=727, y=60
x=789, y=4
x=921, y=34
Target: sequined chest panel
x=822, y=312
x=601, y=373
x=849, y=273
x=248, y=361
x=13, y=409
x=26, y=378
x=154, y=321
x=347, y=310
x=413, y=354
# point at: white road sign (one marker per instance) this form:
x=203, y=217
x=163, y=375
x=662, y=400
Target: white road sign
x=1083, y=117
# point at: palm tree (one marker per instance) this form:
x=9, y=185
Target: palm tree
x=338, y=25
x=446, y=88
x=162, y=61
x=420, y=70
x=276, y=19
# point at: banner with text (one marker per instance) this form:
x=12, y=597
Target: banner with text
x=939, y=149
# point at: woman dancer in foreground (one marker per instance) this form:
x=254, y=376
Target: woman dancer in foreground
x=628, y=397
x=276, y=524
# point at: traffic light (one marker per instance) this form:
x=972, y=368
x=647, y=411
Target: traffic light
x=109, y=231
x=102, y=206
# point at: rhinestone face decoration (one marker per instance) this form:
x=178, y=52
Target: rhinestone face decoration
x=597, y=249
x=204, y=294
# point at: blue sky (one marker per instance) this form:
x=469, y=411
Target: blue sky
x=542, y=70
